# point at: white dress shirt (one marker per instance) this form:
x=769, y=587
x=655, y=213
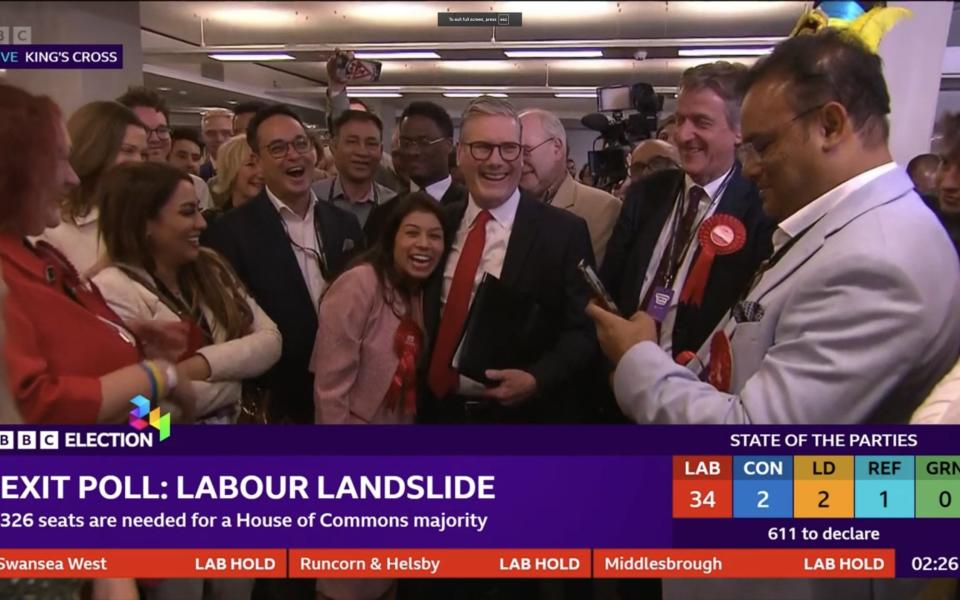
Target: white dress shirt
x=497, y=239
x=708, y=205
x=495, y=244
x=804, y=218
x=303, y=234
x=438, y=189
x=203, y=192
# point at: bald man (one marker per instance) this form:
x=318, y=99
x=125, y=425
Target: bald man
x=650, y=156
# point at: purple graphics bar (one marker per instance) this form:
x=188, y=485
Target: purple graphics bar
x=631, y=501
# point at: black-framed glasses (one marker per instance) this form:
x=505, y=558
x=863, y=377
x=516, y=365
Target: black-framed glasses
x=420, y=143
x=755, y=149
x=278, y=148
x=162, y=131
x=509, y=151
x=528, y=150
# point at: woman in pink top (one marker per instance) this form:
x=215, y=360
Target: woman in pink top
x=370, y=333
x=369, y=339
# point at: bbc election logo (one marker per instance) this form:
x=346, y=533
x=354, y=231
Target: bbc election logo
x=154, y=418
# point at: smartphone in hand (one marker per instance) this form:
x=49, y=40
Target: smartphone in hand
x=600, y=293
x=353, y=70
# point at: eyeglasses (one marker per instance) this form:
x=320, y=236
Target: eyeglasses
x=509, y=151
x=278, y=148
x=163, y=132
x=420, y=143
x=528, y=150
x=655, y=164
x=754, y=150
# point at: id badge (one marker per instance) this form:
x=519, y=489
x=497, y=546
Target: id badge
x=659, y=303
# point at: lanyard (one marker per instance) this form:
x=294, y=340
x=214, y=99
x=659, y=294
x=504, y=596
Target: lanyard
x=185, y=310
x=318, y=253
x=673, y=268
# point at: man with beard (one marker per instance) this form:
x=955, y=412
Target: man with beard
x=655, y=261
x=286, y=245
x=357, y=148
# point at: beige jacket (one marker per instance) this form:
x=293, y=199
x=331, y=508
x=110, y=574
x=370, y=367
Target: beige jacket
x=598, y=208
x=231, y=361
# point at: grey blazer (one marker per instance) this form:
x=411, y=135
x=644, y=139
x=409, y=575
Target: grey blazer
x=859, y=322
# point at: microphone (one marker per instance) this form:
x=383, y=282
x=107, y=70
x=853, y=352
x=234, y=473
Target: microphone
x=596, y=122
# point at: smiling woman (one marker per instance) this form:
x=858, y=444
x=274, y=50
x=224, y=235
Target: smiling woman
x=151, y=226
x=370, y=322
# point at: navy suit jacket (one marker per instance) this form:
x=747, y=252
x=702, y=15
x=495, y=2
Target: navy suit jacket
x=546, y=244
x=645, y=212
x=253, y=240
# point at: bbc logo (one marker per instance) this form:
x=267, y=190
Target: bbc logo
x=16, y=35
x=28, y=440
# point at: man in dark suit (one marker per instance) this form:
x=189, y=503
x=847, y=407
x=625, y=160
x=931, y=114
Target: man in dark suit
x=285, y=246
x=425, y=144
x=656, y=243
x=531, y=247
x=534, y=249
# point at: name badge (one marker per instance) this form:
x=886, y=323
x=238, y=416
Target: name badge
x=659, y=304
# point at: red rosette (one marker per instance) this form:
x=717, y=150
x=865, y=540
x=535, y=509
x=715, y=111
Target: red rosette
x=720, y=369
x=407, y=342
x=719, y=235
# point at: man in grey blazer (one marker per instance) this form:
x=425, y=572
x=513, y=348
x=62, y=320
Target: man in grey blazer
x=854, y=317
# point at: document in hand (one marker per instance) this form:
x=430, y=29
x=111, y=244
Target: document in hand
x=499, y=332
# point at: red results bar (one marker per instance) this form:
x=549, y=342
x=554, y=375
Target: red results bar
x=152, y=564
x=747, y=564
x=442, y=564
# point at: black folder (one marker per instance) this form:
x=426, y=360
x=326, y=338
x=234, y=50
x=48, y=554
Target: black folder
x=499, y=333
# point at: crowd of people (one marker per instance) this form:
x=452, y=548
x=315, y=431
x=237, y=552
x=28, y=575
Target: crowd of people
x=768, y=261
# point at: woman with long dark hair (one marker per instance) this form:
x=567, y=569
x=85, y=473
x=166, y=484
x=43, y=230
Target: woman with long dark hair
x=370, y=332
x=151, y=224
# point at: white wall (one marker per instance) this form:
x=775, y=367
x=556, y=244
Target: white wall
x=79, y=23
x=912, y=55
x=580, y=141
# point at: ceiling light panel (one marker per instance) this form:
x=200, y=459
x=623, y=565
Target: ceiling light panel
x=473, y=94
x=250, y=57
x=701, y=52
x=253, y=17
x=398, y=55
x=554, y=53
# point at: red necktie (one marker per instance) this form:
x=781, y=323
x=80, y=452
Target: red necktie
x=441, y=378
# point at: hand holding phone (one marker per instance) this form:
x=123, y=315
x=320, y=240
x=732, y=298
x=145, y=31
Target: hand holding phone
x=600, y=293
